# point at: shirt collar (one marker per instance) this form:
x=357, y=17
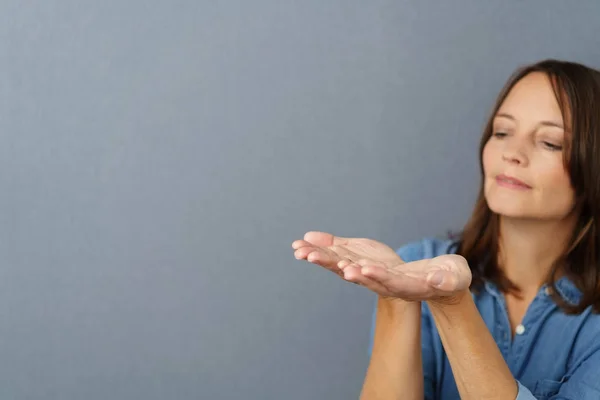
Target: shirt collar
x=564, y=286
x=567, y=289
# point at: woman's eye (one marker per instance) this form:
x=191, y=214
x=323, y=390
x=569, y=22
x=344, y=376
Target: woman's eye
x=499, y=134
x=552, y=146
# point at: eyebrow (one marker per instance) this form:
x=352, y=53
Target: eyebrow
x=543, y=123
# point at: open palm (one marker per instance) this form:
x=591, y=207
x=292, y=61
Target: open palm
x=328, y=250
x=376, y=266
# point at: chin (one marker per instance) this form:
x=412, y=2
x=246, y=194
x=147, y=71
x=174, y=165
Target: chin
x=511, y=208
x=513, y=214
x=520, y=211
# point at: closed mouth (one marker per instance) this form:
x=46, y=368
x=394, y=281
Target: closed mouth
x=510, y=181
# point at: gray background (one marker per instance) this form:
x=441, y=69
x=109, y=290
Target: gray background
x=159, y=157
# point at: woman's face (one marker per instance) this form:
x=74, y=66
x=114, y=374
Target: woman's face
x=524, y=171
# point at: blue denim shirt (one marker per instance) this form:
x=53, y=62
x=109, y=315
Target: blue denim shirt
x=552, y=355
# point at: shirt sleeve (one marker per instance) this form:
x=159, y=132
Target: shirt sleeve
x=524, y=393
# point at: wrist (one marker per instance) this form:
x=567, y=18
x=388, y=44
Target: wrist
x=395, y=315
x=396, y=302
x=394, y=307
x=451, y=301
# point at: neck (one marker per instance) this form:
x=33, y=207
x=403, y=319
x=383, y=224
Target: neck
x=529, y=248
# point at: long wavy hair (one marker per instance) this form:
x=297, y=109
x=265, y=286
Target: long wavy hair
x=577, y=89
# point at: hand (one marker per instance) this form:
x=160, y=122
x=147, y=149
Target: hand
x=443, y=279
x=377, y=267
x=328, y=251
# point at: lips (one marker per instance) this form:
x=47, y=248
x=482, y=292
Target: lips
x=508, y=181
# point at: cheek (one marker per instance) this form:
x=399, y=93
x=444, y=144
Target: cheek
x=557, y=184
x=553, y=174
x=486, y=158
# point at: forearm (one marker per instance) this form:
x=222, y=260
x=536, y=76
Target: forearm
x=478, y=367
x=395, y=370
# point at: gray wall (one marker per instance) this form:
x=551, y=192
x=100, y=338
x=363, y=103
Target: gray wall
x=159, y=157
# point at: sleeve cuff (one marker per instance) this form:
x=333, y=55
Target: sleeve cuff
x=524, y=393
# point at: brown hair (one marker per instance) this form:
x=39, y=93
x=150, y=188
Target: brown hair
x=577, y=90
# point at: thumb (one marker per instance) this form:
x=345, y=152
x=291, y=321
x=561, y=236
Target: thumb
x=443, y=280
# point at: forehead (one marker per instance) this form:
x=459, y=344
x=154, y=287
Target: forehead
x=532, y=99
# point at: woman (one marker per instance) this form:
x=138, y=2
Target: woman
x=509, y=309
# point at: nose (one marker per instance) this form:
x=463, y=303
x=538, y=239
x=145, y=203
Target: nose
x=514, y=153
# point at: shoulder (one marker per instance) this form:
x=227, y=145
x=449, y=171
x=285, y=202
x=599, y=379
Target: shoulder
x=428, y=247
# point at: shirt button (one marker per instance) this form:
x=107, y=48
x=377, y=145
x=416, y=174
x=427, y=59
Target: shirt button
x=520, y=329
x=547, y=291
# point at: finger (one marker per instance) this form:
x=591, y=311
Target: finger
x=297, y=244
x=322, y=257
x=453, y=273
x=376, y=272
x=303, y=252
x=397, y=283
x=349, y=260
x=352, y=273
x=445, y=281
x=324, y=239
x=370, y=263
x=319, y=256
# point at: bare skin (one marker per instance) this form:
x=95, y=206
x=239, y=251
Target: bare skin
x=527, y=184
x=378, y=267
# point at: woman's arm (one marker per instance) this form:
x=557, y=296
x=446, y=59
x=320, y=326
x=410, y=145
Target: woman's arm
x=395, y=370
x=478, y=367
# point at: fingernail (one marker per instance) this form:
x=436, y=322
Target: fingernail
x=436, y=278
